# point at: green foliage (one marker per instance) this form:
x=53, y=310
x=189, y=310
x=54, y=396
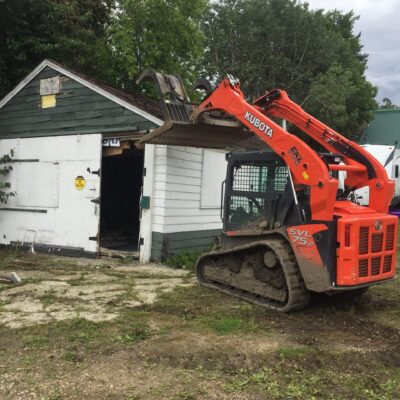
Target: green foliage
x=388, y=105
x=185, y=260
x=162, y=34
x=281, y=43
x=72, y=32
x=5, y=169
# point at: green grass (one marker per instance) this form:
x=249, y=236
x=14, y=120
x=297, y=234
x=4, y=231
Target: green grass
x=133, y=333
x=291, y=381
x=228, y=324
x=72, y=356
x=33, y=341
x=293, y=351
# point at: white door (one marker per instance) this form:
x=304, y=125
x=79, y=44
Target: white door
x=57, y=183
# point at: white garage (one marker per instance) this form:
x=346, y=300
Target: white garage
x=81, y=184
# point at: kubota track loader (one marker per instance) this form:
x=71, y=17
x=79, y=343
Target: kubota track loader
x=287, y=229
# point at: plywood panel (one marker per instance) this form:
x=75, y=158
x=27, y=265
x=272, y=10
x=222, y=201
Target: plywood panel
x=38, y=184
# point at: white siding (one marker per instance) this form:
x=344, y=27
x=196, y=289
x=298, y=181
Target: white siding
x=177, y=193
x=56, y=213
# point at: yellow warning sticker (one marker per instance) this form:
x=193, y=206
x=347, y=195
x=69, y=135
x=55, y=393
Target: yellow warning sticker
x=80, y=182
x=305, y=175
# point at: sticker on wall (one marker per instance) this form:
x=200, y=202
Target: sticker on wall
x=111, y=142
x=80, y=182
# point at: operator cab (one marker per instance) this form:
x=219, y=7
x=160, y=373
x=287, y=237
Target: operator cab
x=259, y=194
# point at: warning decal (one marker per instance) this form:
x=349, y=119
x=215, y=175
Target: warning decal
x=80, y=182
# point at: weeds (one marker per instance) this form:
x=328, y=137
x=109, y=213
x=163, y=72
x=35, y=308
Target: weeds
x=72, y=356
x=184, y=260
x=133, y=333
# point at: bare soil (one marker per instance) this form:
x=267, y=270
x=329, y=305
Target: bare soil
x=99, y=329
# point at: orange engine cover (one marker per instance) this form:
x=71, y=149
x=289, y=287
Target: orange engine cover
x=367, y=243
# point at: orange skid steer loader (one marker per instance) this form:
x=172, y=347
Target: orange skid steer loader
x=287, y=229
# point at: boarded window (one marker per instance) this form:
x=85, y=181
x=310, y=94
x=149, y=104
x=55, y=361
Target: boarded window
x=37, y=184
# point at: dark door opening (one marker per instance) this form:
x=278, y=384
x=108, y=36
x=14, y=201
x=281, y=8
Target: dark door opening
x=121, y=183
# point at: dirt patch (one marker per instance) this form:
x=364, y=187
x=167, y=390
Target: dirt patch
x=57, y=294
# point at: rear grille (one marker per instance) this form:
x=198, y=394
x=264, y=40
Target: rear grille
x=363, y=268
x=370, y=244
x=371, y=258
x=364, y=241
x=375, y=265
x=387, y=263
x=389, y=237
x=377, y=242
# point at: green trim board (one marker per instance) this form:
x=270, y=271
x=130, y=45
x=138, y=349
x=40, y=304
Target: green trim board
x=384, y=129
x=164, y=245
x=78, y=110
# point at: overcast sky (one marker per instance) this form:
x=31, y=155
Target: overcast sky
x=379, y=25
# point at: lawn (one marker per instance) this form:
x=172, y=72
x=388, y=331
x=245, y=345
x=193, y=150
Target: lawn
x=106, y=330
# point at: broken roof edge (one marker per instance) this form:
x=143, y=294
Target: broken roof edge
x=83, y=81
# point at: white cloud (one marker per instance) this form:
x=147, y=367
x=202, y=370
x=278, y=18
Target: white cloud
x=380, y=36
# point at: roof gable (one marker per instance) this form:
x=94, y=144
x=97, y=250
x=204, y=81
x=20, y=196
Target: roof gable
x=124, y=99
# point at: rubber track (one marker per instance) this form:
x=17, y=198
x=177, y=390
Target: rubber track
x=298, y=296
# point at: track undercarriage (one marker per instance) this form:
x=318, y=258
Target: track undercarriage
x=263, y=273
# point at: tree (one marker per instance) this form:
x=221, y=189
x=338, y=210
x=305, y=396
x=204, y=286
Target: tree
x=73, y=32
x=5, y=169
x=314, y=55
x=163, y=34
x=388, y=105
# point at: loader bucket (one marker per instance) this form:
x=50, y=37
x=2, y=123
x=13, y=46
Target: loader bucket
x=202, y=135
x=213, y=132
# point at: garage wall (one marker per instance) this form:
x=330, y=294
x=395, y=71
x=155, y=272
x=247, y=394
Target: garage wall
x=48, y=209
x=186, y=199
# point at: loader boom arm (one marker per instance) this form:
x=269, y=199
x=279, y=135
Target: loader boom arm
x=305, y=164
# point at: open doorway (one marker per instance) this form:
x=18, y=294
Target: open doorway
x=121, y=183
